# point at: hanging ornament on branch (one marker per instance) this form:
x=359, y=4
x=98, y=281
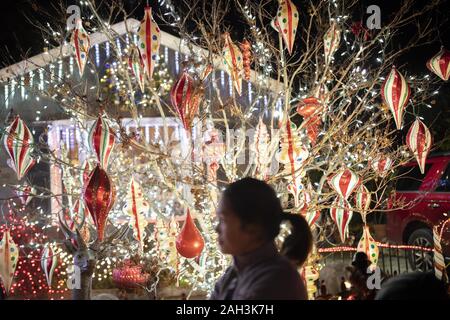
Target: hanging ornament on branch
x=81, y=44
x=247, y=58
x=149, y=41
x=286, y=22
x=362, y=200
x=344, y=182
x=136, y=64
x=25, y=194
x=185, y=97
x=233, y=62
x=310, y=109
x=49, y=261
x=99, y=196
x=137, y=208
x=331, y=41
x=9, y=255
x=440, y=64
x=189, y=242
x=368, y=245
x=101, y=141
x=395, y=92
x=382, y=165
x=419, y=142
x=18, y=142
x=341, y=214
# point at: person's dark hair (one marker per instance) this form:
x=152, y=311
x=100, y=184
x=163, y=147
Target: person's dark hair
x=255, y=202
x=361, y=262
x=414, y=286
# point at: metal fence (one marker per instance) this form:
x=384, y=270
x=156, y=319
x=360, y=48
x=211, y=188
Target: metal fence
x=392, y=259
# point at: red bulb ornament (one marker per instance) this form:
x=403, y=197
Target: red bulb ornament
x=189, y=242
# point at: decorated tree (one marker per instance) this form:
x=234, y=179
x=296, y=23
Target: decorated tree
x=315, y=103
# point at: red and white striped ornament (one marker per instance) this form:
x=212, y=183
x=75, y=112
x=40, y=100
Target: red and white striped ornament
x=81, y=44
x=137, y=208
x=382, y=164
x=419, y=142
x=331, y=41
x=344, y=182
x=149, y=41
x=182, y=97
x=440, y=64
x=136, y=64
x=101, y=141
x=395, y=92
x=49, y=261
x=341, y=214
x=362, y=201
x=286, y=22
x=233, y=62
x=18, y=142
x=439, y=262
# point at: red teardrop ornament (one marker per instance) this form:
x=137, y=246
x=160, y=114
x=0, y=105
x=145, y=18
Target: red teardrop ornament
x=189, y=242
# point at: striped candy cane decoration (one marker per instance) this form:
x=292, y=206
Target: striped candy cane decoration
x=341, y=214
x=419, y=142
x=18, y=140
x=286, y=22
x=331, y=41
x=149, y=41
x=395, y=92
x=101, y=141
x=81, y=43
x=439, y=263
x=344, y=182
x=440, y=64
x=233, y=61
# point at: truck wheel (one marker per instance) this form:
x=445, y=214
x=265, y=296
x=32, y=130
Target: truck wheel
x=418, y=259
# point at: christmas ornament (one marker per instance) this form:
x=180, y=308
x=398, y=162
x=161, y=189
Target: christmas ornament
x=344, y=182
x=247, y=58
x=310, y=109
x=395, y=92
x=49, y=262
x=341, y=214
x=368, y=245
x=419, y=142
x=286, y=22
x=25, y=194
x=185, y=99
x=331, y=41
x=382, y=165
x=213, y=151
x=137, y=207
x=99, y=196
x=439, y=263
x=189, y=242
x=136, y=64
x=440, y=64
x=81, y=43
x=149, y=41
x=18, y=142
x=9, y=255
x=129, y=276
x=101, y=141
x=233, y=62
x=260, y=147
x=362, y=200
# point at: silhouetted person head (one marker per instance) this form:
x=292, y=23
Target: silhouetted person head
x=413, y=286
x=361, y=262
x=250, y=215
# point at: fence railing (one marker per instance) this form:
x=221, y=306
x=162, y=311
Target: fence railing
x=392, y=259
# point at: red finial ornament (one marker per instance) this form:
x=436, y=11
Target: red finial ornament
x=189, y=242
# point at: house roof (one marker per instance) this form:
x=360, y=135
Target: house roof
x=121, y=28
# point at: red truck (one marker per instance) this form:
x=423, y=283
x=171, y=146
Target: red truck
x=426, y=199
